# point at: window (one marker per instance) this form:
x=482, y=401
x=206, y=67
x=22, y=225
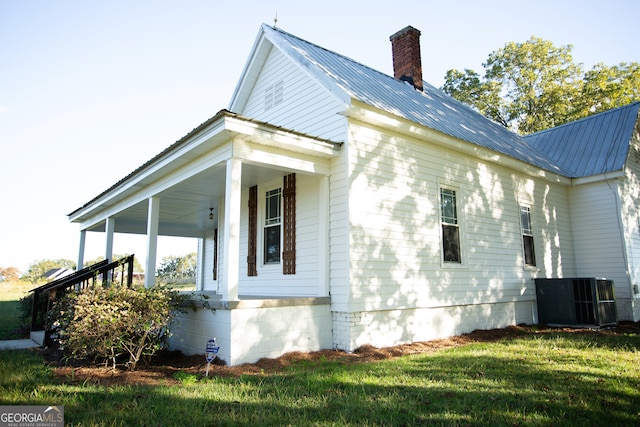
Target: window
x=450, y=227
x=279, y=227
x=272, y=225
x=527, y=236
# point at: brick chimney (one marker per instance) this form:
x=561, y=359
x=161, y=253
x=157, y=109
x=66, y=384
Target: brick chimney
x=407, y=64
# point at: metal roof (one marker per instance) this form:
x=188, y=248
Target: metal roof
x=431, y=107
x=591, y=146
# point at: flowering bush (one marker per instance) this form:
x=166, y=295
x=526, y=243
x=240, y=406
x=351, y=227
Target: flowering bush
x=114, y=322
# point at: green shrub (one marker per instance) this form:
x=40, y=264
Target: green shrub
x=108, y=323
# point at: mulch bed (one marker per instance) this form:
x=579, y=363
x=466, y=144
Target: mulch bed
x=161, y=368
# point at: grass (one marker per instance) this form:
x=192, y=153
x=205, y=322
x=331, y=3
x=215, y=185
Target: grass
x=10, y=294
x=550, y=378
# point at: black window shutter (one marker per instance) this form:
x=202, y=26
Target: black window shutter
x=289, y=231
x=253, y=231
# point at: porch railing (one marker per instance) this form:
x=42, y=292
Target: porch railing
x=104, y=272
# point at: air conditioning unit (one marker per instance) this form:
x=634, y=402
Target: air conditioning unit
x=576, y=302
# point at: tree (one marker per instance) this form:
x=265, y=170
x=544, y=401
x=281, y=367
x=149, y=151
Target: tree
x=36, y=270
x=610, y=87
x=9, y=274
x=177, y=267
x=535, y=85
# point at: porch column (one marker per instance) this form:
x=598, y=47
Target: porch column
x=153, y=219
x=83, y=239
x=232, y=209
x=323, y=237
x=200, y=270
x=109, y=228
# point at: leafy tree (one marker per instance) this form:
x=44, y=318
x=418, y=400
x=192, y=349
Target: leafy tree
x=535, y=85
x=9, y=274
x=610, y=87
x=36, y=270
x=177, y=267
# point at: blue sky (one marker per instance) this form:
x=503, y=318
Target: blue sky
x=91, y=90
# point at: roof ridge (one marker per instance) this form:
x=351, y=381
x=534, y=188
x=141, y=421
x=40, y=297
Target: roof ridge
x=433, y=106
x=424, y=82
x=333, y=52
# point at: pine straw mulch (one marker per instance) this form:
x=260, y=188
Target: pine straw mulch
x=161, y=369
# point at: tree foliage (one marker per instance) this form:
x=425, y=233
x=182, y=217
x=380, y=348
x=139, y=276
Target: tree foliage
x=535, y=85
x=37, y=269
x=9, y=274
x=177, y=267
x=610, y=87
x=114, y=322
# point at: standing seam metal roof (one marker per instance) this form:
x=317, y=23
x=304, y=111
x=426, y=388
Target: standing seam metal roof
x=431, y=108
x=591, y=146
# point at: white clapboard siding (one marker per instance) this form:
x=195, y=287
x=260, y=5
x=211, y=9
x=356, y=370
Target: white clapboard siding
x=597, y=229
x=630, y=201
x=395, y=256
x=305, y=106
x=339, y=233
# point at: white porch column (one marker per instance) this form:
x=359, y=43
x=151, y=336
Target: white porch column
x=83, y=239
x=323, y=237
x=231, y=240
x=153, y=219
x=221, y=246
x=108, y=229
x=200, y=270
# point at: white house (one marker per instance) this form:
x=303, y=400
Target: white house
x=350, y=207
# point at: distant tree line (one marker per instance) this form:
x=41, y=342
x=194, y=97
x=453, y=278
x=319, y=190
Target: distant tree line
x=173, y=267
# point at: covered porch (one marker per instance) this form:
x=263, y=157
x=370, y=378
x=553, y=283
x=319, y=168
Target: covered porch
x=199, y=188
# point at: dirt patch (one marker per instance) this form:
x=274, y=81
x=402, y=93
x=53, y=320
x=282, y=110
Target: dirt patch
x=162, y=369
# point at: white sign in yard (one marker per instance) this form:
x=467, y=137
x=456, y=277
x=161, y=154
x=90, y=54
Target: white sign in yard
x=212, y=351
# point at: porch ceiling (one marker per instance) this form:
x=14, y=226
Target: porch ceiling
x=184, y=207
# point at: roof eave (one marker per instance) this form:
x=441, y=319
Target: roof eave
x=366, y=113
x=220, y=128
x=145, y=168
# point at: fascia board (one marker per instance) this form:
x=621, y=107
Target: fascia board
x=598, y=178
x=365, y=113
x=163, y=164
x=262, y=155
x=249, y=74
x=141, y=191
x=163, y=171
x=281, y=138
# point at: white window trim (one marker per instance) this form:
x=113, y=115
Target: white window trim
x=461, y=228
x=262, y=211
x=526, y=266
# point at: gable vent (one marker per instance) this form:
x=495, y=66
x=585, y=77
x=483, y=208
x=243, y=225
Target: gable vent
x=273, y=95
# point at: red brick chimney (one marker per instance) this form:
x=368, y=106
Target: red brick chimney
x=407, y=64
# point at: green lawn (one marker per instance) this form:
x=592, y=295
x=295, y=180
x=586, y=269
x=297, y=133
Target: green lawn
x=10, y=294
x=549, y=378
